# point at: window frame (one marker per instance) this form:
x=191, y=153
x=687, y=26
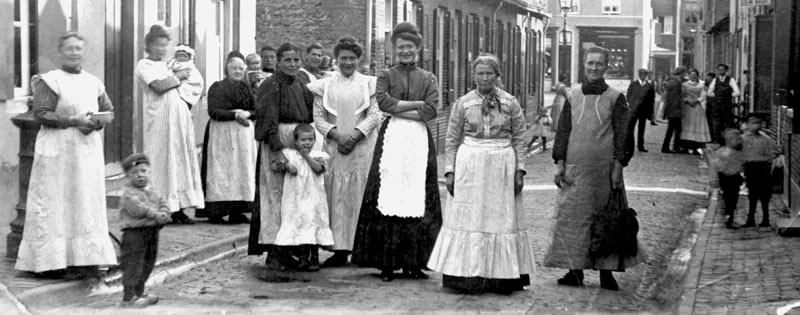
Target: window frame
x=24, y=62
x=611, y=4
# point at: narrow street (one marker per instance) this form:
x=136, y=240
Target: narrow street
x=242, y=285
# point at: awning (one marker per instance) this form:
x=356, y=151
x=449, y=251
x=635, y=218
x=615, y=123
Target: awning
x=721, y=26
x=661, y=51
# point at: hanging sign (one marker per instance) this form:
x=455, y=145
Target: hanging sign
x=751, y=3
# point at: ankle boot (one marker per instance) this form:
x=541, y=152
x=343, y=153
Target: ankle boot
x=572, y=278
x=607, y=281
x=751, y=221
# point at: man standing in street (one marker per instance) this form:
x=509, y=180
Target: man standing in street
x=641, y=97
x=722, y=90
x=673, y=103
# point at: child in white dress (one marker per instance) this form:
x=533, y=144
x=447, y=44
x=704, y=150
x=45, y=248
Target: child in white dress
x=541, y=128
x=304, y=208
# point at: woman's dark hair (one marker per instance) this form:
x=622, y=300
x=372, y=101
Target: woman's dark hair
x=347, y=43
x=267, y=47
x=693, y=70
x=302, y=128
x=64, y=37
x=681, y=70
x=231, y=56
x=408, y=32
x=156, y=32
x=284, y=48
x=312, y=47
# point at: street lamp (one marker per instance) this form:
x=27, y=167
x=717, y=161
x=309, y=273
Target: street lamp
x=566, y=6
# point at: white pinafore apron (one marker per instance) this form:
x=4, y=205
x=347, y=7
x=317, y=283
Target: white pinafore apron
x=232, y=152
x=403, y=165
x=65, y=223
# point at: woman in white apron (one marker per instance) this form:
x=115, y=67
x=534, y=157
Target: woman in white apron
x=228, y=167
x=401, y=211
x=169, y=139
x=346, y=113
x=283, y=102
x=66, y=222
x=486, y=243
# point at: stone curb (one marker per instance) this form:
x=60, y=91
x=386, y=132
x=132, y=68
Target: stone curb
x=54, y=295
x=692, y=281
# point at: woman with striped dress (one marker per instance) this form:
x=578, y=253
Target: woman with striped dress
x=169, y=138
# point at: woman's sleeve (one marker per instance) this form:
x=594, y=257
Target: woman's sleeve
x=455, y=135
x=386, y=102
x=373, y=119
x=159, y=85
x=518, y=133
x=623, y=127
x=104, y=103
x=428, y=111
x=563, y=132
x=44, y=107
x=267, y=115
x=320, y=121
x=218, y=103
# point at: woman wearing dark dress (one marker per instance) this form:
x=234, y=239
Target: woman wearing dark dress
x=228, y=168
x=282, y=103
x=401, y=211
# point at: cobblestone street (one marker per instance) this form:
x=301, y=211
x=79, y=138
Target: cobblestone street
x=242, y=285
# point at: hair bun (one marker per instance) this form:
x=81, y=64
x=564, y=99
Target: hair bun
x=347, y=40
x=406, y=27
x=155, y=28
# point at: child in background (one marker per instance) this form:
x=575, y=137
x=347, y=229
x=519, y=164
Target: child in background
x=304, y=208
x=190, y=89
x=142, y=214
x=725, y=172
x=254, y=75
x=541, y=128
x=758, y=151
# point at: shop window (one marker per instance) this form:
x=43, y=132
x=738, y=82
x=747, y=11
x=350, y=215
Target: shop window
x=611, y=7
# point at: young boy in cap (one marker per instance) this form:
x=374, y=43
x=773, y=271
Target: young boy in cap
x=758, y=152
x=142, y=214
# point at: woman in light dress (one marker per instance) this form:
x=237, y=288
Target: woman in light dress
x=66, y=224
x=486, y=242
x=694, y=123
x=169, y=138
x=346, y=113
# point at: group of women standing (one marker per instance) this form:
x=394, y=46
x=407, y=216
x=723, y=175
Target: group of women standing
x=381, y=180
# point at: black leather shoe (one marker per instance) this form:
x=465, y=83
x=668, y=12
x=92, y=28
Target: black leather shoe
x=216, y=220
x=573, y=278
x=181, y=218
x=414, y=273
x=764, y=223
x=607, y=281
x=339, y=259
x=387, y=275
x=749, y=223
x=643, y=150
x=238, y=219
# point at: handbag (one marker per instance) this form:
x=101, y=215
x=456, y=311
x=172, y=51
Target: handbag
x=614, y=228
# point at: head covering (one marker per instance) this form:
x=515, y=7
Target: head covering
x=185, y=49
x=644, y=70
x=134, y=159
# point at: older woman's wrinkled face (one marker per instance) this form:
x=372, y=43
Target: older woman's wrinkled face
x=158, y=48
x=348, y=62
x=290, y=62
x=235, y=69
x=596, y=66
x=406, y=51
x=71, y=52
x=485, y=77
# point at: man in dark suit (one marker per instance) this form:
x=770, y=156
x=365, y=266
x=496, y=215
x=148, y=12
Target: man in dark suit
x=641, y=98
x=673, y=110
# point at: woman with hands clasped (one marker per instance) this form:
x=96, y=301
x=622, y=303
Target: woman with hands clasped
x=590, y=151
x=485, y=153
x=66, y=224
x=230, y=150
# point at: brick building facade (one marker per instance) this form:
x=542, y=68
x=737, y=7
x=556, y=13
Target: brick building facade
x=454, y=32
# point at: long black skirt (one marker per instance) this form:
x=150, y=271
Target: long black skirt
x=392, y=242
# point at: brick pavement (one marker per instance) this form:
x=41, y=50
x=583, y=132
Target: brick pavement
x=744, y=271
